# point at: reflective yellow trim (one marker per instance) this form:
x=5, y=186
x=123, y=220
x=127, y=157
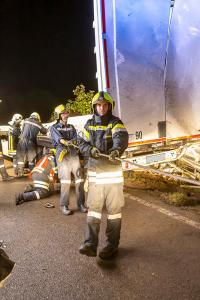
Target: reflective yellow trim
x=113, y=217
x=99, y=127
x=11, y=143
x=86, y=134
x=118, y=127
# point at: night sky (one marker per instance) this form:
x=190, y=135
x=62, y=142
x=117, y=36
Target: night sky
x=47, y=48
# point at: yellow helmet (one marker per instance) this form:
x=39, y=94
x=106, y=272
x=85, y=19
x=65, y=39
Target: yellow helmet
x=35, y=115
x=102, y=96
x=59, y=110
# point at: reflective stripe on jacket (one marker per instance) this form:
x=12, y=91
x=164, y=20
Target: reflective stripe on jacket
x=31, y=128
x=104, y=134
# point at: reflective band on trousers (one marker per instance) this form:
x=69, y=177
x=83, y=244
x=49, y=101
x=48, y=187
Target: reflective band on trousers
x=37, y=194
x=1, y=166
x=116, y=216
x=106, y=177
x=20, y=163
x=41, y=182
x=65, y=181
x=79, y=180
x=41, y=186
x=94, y=214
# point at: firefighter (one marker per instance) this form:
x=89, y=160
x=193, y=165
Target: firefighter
x=3, y=171
x=64, y=137
x=27, y=146
x=14, y=134
x=43, y=175
x=103, y=133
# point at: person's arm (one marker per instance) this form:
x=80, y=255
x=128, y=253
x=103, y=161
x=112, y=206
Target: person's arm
x=120, y=137
x=84, y=141
x=56, y=137
x=43, y=130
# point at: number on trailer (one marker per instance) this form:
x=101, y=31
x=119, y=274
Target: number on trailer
x=138, y=135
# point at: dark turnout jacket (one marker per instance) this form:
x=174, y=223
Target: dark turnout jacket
x=106, y=133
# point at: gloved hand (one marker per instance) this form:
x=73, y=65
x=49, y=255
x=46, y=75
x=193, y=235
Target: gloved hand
x=72, y=143
x=113, y=154
x=95, y=152
x=64, y=142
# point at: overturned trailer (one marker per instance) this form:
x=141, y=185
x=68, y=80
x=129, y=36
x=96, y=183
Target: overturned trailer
x=148, y=59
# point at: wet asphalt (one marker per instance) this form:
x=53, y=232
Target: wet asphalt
x=159, y=257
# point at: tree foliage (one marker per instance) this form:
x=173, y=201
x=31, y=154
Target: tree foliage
x=80, y=105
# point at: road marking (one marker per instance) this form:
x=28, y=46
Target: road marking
x=165, y=211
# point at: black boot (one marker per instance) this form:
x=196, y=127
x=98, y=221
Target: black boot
x=20, y=171
x=65, y=210
x=82, y=208
x=88, y=250
x=19, y=199
x=4, y=175
x=113, y=236
x=92, y=237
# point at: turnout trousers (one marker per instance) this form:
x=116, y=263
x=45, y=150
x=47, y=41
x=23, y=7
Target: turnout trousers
x=71, y=164
x=41, y=188
x=110, y=195
x=26, y=152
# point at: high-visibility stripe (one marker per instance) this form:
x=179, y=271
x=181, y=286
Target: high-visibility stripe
x=91, y=179
x=109, y=174
x=99, y=127
x=41, y=182
x=94, y=214
x=37, y=195
x=65, y=181
x=41, y=163
x=91, y=173
x=118, y=128
x=109, y=180
x=86, y=135
x=113, y=217
x=31, y=123
x=20, y=163
x=1, y=166
x=41, y=186
x=79, y=180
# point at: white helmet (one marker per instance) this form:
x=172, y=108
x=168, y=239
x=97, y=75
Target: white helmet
x=16, y=119
x=35, y=115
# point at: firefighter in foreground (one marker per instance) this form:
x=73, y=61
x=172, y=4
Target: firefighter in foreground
x=64, y=137
x=105, y=134
x=27, y=146
x=43, y=176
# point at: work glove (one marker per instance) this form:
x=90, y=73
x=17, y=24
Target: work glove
x=113, y=155
x=95, y=152
x=65, y=143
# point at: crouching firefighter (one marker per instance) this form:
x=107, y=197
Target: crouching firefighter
x=64, y=138
x=43, y=176
x=3, y=171
x=105, y=134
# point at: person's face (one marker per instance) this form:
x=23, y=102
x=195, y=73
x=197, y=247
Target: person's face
x=102, y=108
x=64, y=117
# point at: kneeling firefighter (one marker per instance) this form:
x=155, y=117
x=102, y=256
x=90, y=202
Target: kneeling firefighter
x=43, y=176
x=106, y=134
x=64, y=138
